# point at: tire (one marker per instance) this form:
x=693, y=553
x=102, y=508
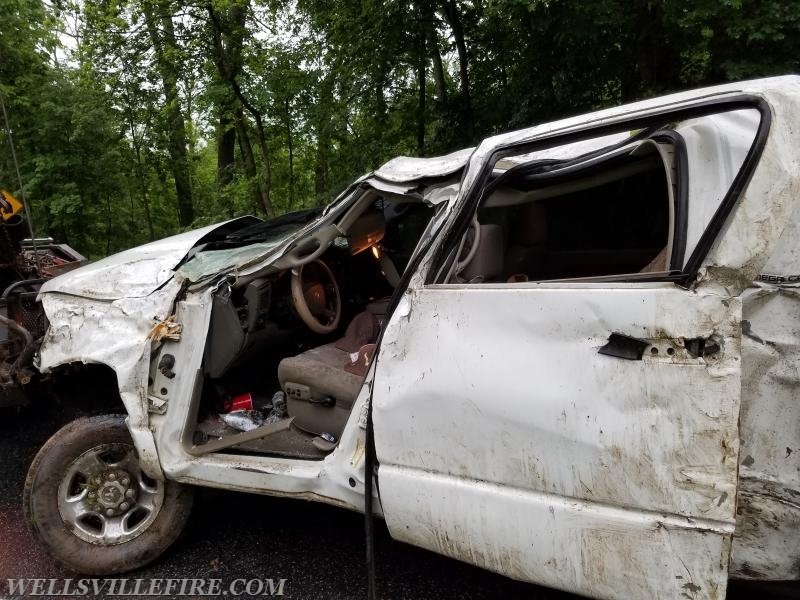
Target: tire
x=88, y=503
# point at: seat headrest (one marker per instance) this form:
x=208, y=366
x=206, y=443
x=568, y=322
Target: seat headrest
x=487, y=263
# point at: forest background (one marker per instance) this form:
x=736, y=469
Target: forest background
x=135, y=119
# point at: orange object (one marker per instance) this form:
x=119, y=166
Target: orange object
x=9, y=206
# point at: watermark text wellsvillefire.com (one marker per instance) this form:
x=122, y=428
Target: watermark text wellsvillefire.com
x=135, y=588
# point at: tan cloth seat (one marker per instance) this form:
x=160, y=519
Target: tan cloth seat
x=329, y=377
x=322, y=371
x=487, y=263
x=658, y=264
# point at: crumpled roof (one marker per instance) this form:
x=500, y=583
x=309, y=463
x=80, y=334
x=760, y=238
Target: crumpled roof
x=407, y=168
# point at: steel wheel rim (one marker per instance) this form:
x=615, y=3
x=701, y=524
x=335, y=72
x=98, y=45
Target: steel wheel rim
x=104, y=497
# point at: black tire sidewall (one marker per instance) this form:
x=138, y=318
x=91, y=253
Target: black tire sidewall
x=40, y=503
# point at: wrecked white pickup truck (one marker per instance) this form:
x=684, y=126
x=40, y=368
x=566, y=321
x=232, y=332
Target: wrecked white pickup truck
x=576, y=348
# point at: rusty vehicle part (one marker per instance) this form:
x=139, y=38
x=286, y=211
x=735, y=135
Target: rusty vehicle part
x=22, y=318
x=166, y=330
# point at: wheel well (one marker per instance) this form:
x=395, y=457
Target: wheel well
x=89, y=387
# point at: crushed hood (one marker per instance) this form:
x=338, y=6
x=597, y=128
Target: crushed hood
x=137, y=272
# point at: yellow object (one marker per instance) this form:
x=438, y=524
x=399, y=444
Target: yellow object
x=9, y=206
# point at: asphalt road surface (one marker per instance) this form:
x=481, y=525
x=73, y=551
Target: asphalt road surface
x=319, y=550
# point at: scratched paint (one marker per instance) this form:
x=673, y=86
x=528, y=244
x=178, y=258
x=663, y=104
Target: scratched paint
x=532, y=410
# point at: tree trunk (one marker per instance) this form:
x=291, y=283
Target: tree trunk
x=321, y=174
x=438, y=68
x=158, y=18
x=323, y=126
x=290, y=146
x=249, y=160
x=228, y=35
x=266, y=186
x=109, y=226
x=226, y=160
x=453, y=18
x=421, y=80
x=142, y=183
x=226, y=147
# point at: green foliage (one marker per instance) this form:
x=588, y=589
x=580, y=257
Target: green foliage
x=125, y=110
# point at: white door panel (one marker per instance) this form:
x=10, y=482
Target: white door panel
x=592, y=549
x=493, y=409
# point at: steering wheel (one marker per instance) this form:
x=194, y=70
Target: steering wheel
x=315, y=295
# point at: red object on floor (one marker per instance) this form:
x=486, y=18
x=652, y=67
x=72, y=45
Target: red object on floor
x=242, y=402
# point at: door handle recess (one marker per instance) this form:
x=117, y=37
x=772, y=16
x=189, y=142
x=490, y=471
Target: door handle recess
x=626, y=347
x=698, y=347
